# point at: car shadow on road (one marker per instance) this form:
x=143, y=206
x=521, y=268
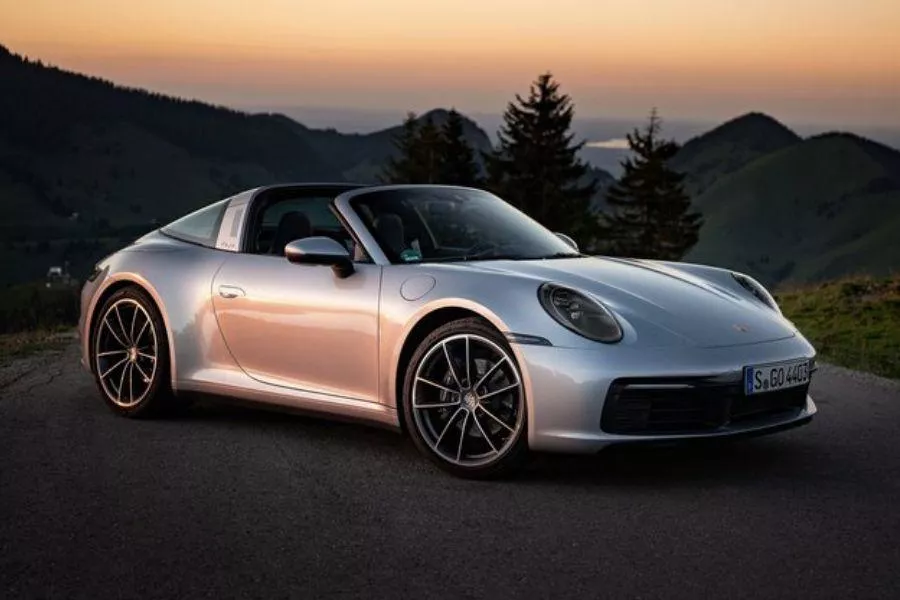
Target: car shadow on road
x=789, y=454
x=726, y=462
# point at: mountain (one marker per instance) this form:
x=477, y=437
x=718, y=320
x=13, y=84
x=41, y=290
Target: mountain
x=604, y=181
x=84, y=160
x=723, y=150
x=86, y=165
x=361, y=156
x=815, y=209
x=119, y=156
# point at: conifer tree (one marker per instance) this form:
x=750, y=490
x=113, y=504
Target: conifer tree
x=535, y=166
x=650, y=213
x=403, y=168
x=427, y=153
x=458, y=166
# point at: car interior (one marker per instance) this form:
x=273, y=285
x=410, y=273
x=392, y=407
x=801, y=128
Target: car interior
x=283, y=217
x=402, y=225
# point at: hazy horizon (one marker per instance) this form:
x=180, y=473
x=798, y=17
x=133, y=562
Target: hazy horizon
x=814, y=61
x=590, y=129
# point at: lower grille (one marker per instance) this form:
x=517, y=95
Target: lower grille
x=652, y=406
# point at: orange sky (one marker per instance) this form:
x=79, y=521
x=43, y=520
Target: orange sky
x=804, y=60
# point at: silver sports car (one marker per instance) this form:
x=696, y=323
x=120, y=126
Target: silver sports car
x=443, y=312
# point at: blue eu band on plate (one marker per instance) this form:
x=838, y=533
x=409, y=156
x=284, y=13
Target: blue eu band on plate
x=769, y=378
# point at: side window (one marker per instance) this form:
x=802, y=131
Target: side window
x=316, y=210
x=199, y=227
x=286, y=220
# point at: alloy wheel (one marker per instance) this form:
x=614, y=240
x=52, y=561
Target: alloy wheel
x=126, y=353
x=467, y=400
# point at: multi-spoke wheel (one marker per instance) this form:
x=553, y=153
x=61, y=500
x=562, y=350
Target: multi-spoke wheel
x=464, y=400
x=130, y=361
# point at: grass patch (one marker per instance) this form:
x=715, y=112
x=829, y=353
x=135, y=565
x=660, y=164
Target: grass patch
x=35, y=307
x=852, y=322
x=23, y=343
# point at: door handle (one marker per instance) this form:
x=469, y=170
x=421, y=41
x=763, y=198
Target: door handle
x=230, y=291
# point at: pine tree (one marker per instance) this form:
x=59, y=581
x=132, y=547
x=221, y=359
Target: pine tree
x=535, y=166
x=458, y=166
x=650, y=213
x=427, y=153
x=403, y=168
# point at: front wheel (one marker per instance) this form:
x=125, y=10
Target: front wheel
x=464, y=401
x=130, y=356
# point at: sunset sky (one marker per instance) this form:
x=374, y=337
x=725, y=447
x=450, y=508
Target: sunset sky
x=828, y=61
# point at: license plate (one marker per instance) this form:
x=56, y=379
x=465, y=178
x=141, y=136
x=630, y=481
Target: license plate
x=760, y=379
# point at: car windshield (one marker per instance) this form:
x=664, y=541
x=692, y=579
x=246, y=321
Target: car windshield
x=435, y=224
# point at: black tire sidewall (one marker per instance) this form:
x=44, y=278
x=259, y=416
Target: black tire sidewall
x=159, y=395
x=514, y=457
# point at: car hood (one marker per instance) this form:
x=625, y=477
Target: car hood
x=652, y=296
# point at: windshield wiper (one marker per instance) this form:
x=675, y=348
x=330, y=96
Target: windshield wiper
x=560, y=255
x=500, y=257
x=466, y=258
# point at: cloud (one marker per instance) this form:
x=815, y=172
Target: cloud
x=613, y=144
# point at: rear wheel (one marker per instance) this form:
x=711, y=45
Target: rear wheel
x=130, y=356
x=464, y=401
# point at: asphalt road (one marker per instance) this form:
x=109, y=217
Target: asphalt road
x=233, y=502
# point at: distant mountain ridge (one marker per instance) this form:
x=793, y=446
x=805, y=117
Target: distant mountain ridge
x=82, y=159
x=77, y=144
x=362, y=156
x=733, y=144
x=85, y=164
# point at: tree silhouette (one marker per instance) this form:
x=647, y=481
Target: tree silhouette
x=536, y=167
x=458, y=166
x=427, y=153
x=650, y=214
x=402, y=168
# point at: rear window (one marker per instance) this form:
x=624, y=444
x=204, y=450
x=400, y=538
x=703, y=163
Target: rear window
x=199, y=227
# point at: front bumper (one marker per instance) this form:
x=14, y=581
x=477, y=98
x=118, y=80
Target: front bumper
x=567, y=389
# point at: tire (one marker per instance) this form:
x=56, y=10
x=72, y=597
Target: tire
x=130, y=355
x=478, y=433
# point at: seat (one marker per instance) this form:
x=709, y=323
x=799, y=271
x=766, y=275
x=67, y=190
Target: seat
x=292, y=226
x=389, y=228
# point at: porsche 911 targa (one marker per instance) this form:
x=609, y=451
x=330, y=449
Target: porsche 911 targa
x=443, y=312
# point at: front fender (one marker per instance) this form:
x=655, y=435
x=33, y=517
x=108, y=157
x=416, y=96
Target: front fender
x=505, y=306
x=178, y=279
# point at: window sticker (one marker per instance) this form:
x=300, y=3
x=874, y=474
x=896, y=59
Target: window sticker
x=410, y=255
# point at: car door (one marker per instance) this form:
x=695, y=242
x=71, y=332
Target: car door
x=300, y=326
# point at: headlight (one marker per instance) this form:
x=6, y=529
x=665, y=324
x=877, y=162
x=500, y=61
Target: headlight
x=758, y=291
x=580, y=313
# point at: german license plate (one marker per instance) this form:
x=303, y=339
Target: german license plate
x=760, y=379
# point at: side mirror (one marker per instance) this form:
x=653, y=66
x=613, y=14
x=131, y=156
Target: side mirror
x=320, y=251
x=568, y=240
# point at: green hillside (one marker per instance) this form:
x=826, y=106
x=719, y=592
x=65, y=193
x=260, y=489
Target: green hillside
x=853, y=322
x=819, y=209
x=711, y=156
